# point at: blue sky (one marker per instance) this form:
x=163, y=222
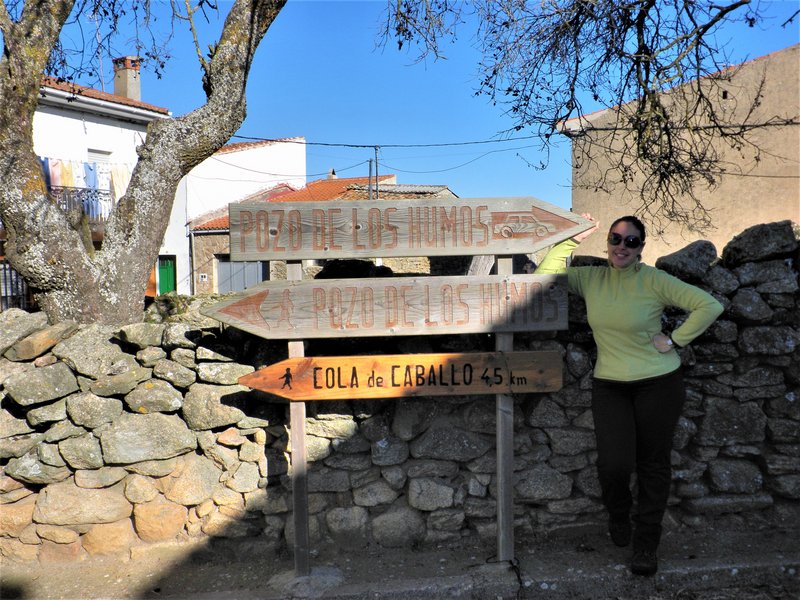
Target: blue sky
x=319, y=74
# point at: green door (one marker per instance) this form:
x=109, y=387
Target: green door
x=167, y=280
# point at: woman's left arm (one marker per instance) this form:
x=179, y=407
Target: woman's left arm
x=702, y=307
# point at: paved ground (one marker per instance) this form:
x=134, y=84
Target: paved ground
x=730, y=560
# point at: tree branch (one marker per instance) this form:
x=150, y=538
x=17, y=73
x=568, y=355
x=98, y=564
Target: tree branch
x=6, y=24
x=174, y=146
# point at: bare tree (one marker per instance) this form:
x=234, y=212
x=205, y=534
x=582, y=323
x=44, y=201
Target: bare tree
x=47, y=246
x=637, y=81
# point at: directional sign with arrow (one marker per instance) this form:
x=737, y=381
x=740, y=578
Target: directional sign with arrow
x=500, y=304
x=426, y=227
x=409, y=375
x=330, y=308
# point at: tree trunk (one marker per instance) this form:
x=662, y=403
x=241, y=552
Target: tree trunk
x=69, y=279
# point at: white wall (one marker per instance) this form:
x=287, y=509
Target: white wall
x=68, y=135
x=228, y=176
x=231, y=175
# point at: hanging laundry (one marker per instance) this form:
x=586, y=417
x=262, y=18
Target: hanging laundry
x=120, y=177
x=88, y=204
x=90, y=175
x=55, y=172
x=104, y=207
x=78, y=174
x=103, y=176
x=67, y=180
x=45, y=170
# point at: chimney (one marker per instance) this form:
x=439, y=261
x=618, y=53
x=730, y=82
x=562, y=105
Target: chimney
x=332, y=174
x=126, y=77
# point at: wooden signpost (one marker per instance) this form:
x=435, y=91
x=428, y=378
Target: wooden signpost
x=367, y=229
x=409, y=375
x=329, y=308
x=499, y=304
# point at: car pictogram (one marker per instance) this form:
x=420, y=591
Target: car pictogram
x=507, y=225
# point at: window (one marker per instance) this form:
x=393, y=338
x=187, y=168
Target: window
x=98, y=156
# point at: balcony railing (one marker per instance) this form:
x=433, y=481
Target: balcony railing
x=14, y=291
x=95, y=204
x=102, y=183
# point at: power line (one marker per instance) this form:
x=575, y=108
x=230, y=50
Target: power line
x=391, y=168
x=375, y=147
x=304, y=175
x=372, y=146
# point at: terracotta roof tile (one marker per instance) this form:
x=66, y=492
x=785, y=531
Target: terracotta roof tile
x=214, y=224
x=329, y=189
x=218, y=219
x=398, y=191
x=319, y=190
x=80, y=90
x=347, y=188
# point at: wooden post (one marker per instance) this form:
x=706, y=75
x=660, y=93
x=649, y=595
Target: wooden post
x=297, y=424
x=504, y=410
x=400, y=306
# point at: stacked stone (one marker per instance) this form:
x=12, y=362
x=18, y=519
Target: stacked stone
x=105, y=449
x=739, y=439
x=737, y=444
x=115, y=439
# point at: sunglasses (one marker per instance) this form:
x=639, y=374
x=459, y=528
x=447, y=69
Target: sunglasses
x=630, y=241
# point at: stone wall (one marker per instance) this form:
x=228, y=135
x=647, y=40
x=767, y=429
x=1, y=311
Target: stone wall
x=112, y=440
x=205, y=249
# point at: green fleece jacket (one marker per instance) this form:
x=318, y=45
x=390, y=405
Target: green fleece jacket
x=624, y=308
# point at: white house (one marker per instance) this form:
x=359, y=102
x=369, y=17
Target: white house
x=230, y=174
x=87, y=142
x=87, y=138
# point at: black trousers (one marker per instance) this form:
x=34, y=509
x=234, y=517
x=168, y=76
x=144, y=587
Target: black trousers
x=634, y=426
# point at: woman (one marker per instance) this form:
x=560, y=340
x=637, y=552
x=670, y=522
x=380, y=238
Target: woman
x=637, y=390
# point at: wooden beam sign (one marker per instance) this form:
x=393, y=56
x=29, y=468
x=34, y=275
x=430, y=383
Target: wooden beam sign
x=409, y=375
x=330, y=308
x=426, y=227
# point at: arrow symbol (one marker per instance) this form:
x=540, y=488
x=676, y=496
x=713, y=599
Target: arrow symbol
x=248, y=309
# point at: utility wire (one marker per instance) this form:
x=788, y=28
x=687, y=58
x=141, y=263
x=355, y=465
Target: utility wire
x=444, y=170
x=372, y=146
x=375, y=148
x=391, y=168
x=241, y=168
